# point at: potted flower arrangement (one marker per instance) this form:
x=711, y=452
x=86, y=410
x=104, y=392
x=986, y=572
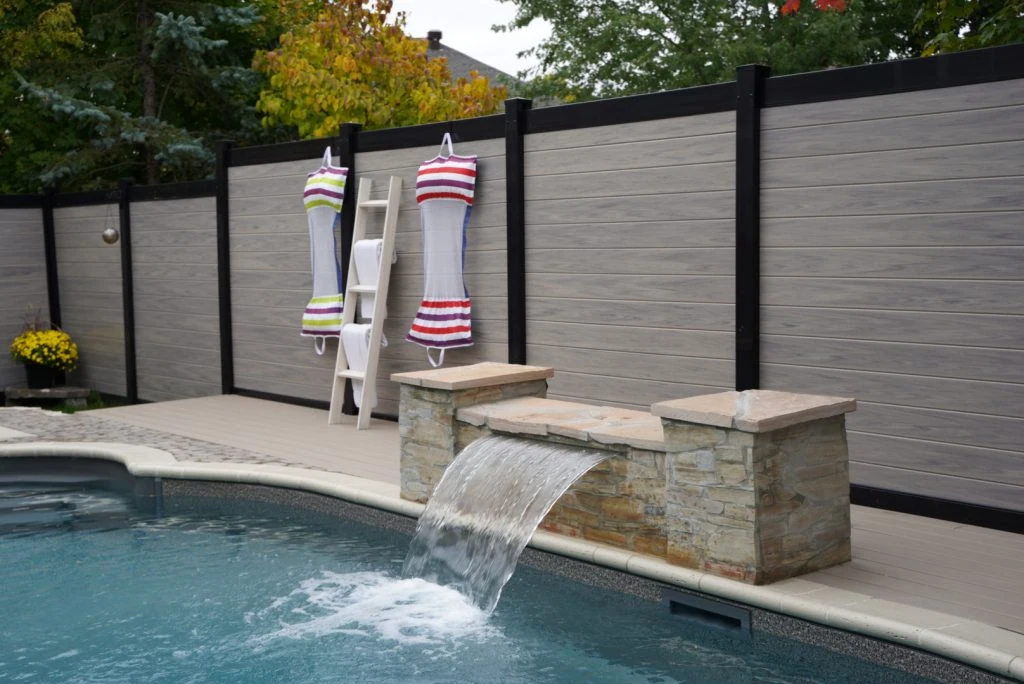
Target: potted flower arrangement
x=47, y=355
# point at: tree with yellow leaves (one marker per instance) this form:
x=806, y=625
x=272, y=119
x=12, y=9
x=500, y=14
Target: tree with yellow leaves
x=352, y=64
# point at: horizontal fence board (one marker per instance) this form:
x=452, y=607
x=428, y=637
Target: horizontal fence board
x=586, y=337
x=959, y=98
x=615, y=391
x=927, y=130
x=633, y=234
x=203, y=237
x=202, y=342
x=632, y=155
x=666, y=207
x=163, y=388
x=658, y=129
x=934, y=425
x=168, y=212
x=252, y=379
x=176, y=367
x=972, y=263
x=960, y=196
x=996, y=365
x=963, y=329
x=653, y=181
x=191, y=323
x=930, y=163
x=663, y=367
x=906, y=230
x=938, y=486
x=174, y=303
x=990, y=465
x=668, y=314
x=952, y=296
x=76, y=302
x=412, y=157
x=69, y=216
x=991, y=398
x=29, y=216
x=639, y=261
x=106, y=380
x=165, y=356
x=291, y=169
x=647, y=288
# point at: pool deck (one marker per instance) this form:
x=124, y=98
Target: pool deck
x=944, y=587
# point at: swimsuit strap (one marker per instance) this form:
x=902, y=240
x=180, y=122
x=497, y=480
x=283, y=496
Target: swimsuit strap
x=446, y=139
x=440, y=359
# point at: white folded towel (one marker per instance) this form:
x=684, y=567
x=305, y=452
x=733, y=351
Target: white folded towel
x=356, y=338
x=368, y=255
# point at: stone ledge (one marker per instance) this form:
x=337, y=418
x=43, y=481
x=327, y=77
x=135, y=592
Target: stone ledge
x=753, y=410
x=535, y=416
x=484, y=374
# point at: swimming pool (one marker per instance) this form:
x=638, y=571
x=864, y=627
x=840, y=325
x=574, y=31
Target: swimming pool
x=205, y=590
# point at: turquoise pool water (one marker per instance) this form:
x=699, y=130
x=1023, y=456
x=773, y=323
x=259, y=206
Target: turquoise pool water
x=96, y=592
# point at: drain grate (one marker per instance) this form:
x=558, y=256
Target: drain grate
x=708, y=612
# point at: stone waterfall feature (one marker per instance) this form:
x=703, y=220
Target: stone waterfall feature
x=486, y=508
x=752, y=486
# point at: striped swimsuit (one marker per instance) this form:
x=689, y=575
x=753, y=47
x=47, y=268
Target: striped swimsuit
x=323, y=197
x=444, y=190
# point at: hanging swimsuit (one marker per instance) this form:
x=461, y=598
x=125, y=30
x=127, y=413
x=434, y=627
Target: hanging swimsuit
x=444, y=191
x=323, y=196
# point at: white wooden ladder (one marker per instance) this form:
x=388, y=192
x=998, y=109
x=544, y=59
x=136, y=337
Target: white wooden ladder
x=379, y=292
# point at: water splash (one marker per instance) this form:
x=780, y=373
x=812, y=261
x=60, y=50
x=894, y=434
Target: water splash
x=485, y=509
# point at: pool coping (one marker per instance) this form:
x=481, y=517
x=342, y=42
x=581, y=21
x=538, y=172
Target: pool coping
x=931, y=631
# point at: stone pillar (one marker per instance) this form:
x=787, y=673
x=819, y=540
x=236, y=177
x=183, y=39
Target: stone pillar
x=757, y=483
x=426, y=414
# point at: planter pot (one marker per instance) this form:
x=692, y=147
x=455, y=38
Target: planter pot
x=38, y=376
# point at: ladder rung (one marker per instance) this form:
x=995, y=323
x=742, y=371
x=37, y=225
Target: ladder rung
x=374, y=204
x=352, y=374
x=364, y=289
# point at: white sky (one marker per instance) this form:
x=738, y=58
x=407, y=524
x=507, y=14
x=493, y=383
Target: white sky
x=466, y=26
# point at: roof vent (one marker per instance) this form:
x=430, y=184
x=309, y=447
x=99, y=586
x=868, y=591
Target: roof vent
x=434, y=40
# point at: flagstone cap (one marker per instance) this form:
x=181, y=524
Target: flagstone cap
x=753, y=410
x=486, y=374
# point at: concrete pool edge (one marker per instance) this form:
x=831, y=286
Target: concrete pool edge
x=944, y=635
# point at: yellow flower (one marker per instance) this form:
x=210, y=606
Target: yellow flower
x=47, y=347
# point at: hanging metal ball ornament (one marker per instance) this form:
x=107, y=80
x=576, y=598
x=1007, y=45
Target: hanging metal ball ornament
x=110, y=235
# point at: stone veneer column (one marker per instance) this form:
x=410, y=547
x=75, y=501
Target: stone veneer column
x=757, y=483
x=426, y=414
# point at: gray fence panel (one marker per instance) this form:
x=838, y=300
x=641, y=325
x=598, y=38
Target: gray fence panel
x=177, y=340
x=486, y=261
x=22, y=283
x=630, y=263
x=92, y=310
x=271, y=282
x=893, y=272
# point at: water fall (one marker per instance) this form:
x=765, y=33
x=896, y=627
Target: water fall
x=485, y=509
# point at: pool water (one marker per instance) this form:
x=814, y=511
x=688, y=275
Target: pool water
x=265, y=593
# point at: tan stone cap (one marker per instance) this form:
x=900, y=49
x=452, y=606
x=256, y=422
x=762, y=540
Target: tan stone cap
x=753, y=410
x=585, y=422
x=486, y=374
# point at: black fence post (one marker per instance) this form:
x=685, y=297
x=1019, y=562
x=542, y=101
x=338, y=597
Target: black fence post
x=124, y=201
x=749, y=100
x=347, y=141
x=227, y=353
x=50, y=252
x=515, y=212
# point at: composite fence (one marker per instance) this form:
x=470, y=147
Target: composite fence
x=854, y=232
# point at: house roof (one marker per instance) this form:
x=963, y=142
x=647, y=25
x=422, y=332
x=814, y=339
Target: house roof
x=459, y=63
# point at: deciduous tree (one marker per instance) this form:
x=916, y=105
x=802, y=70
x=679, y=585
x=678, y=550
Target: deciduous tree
x=602, y=48
x=354, y=64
